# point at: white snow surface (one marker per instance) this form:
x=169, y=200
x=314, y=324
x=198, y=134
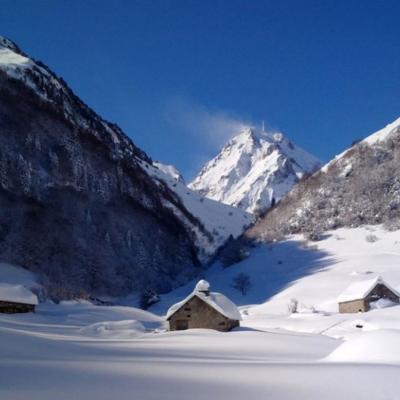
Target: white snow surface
x=381, y=346
x=220, y=221
x=114, y=329
x=252, y=169
x=169, y=170
x=82, y=351
x=216, y=300
x=361, y=289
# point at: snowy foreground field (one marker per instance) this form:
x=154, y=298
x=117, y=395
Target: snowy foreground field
x=81, y=351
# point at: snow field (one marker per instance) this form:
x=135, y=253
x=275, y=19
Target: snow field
x=80, y=351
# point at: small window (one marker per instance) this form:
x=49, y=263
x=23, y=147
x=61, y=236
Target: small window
x=187, y=309
x=222, y=324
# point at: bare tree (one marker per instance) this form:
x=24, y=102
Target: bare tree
x=241, y=282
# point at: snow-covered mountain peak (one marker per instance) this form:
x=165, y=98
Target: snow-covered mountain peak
x=11, y=56
x=7, y=43
x=254, y=170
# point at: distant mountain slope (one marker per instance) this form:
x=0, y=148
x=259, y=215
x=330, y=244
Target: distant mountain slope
x=254, y=170
x=77, y=203
x=220, y=220
x=360, y=186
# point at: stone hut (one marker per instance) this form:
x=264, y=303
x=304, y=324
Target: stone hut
x=203, y=309
x=359, y=296
x=16, y=299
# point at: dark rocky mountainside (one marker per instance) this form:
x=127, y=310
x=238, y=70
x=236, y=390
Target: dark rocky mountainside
x=361, y=186
x=77, y=205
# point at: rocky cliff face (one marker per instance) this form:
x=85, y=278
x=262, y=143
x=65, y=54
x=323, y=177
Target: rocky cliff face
x=254, y=170
x=77, y=205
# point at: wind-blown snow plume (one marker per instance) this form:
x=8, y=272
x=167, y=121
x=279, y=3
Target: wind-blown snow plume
x=215, y=126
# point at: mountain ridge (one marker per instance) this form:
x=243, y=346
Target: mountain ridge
x=118, y=228
x=358, y=187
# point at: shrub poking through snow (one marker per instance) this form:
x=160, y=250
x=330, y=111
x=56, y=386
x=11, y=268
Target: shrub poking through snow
x=371, y=238
x=241, y=282
x=314, y=236
x=293, y=306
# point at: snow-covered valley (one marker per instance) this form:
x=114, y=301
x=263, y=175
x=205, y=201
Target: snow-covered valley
x=79, y=350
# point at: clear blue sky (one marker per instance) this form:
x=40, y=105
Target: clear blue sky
x=180, y=76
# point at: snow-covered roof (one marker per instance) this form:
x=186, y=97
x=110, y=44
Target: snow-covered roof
x=361, y=289
x=17, y=294
x=216, y=300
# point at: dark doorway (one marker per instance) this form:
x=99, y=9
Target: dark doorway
x=182, y=324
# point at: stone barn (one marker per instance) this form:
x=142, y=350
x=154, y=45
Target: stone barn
x=204, y=309
x=359, y=296
x=16, y=299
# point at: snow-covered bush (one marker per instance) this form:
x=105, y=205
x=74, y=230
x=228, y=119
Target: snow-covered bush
x=371, y=238
x=392, y=225
x=314, y=236
x=293, y=306
x=306, y=309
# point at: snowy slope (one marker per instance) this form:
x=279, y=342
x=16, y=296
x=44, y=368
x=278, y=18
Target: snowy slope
x=315, y=275
x=254, y=169
x=169, y=170
x=220, y=221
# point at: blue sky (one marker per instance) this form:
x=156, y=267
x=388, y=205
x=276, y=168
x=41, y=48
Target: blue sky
x=181, y=76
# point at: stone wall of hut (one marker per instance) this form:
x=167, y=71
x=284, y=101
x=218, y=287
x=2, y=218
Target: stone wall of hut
x=7, y=307
x=353, y=306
